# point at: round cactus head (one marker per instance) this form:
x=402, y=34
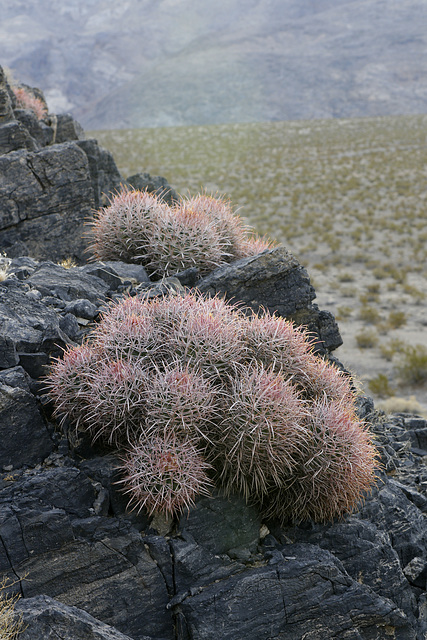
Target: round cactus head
x=229, y=227
x=165, y=474
x=181, y=401
x=334, y=472
x=116, y=399
x=279, y=344
x=68, y=383
x=181, y=238
x=261, y=433
x=121, y=231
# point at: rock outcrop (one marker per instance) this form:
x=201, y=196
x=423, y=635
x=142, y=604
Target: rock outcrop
x=85, y=566
x=52, y=181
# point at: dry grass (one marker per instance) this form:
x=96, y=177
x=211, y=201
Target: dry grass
x=10, y=622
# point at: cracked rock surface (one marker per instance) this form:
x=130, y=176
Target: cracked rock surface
x=84, y=564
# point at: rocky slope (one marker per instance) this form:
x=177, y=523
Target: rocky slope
x=88, y=569
x=143, y=63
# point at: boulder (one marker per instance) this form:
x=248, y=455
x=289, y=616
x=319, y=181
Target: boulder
x=39, y=130
x=104, y=174
x=44, y=617
x=24, y=436
x=274, y=280
x=301, y=591
x=45, y=198
x=6, y=99
x=66, y=128
x=154, y=184
x=14, y=136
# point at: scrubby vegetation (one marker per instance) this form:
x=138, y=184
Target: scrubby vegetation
x=10, y=622
x=346, y=197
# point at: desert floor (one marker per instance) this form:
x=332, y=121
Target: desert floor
x=348, y=198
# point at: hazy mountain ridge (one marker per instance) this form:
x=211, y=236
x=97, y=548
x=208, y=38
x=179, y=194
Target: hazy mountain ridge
x=144, y=63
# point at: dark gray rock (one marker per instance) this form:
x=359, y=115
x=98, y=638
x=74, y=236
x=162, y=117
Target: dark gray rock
x=38, y=129
x=134, y=273
x=15, y=377
x=14, y=136
x=35, y=364
x=70, y=326
x=105, y=272
x=6, y=99
x=114, y=580
x=368, y=556
x=154, y=184
x=81, y=308
x=303, y=592
x=24, y=438
x=68, y=284
x=274, y=280
x=45, y=198
x=105, y=177
x=66, y=128
x=65, y=488
x=223, y=525
x=27, y=326
x=46, y=618
x=396, y=514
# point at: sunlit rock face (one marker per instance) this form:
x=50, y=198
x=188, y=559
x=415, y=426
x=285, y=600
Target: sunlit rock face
x=139, y=63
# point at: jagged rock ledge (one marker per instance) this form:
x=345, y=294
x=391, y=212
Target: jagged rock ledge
x=86, y=568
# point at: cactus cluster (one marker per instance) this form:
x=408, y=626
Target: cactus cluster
x=192, y=391
x=201, y=231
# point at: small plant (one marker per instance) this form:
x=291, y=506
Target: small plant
x=4, y=272
x=367, y=339
x=11, y=623
x=201, y=231
x=369, y=314
x=402, y=405
x=392, y=347
x=380, y=386
x=26, y=100
x=414, y=292
x=344, y=312
x=195, y=391
x=396, y=319
x=412, y=367
x=68, y=263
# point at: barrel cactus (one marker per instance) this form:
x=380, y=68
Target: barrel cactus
x=200, y=231
x=192, y=391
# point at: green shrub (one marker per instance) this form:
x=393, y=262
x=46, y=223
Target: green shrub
x=391, y=348
x=412, y=367
x=396, y=319
x=380, y=386
x=366, y=339
x=369, y=314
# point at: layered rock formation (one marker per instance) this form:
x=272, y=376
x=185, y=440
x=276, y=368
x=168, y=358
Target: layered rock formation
x=52, y=180
x=85, y=566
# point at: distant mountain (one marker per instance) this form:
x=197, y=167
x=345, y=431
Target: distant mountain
x=143, y=63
